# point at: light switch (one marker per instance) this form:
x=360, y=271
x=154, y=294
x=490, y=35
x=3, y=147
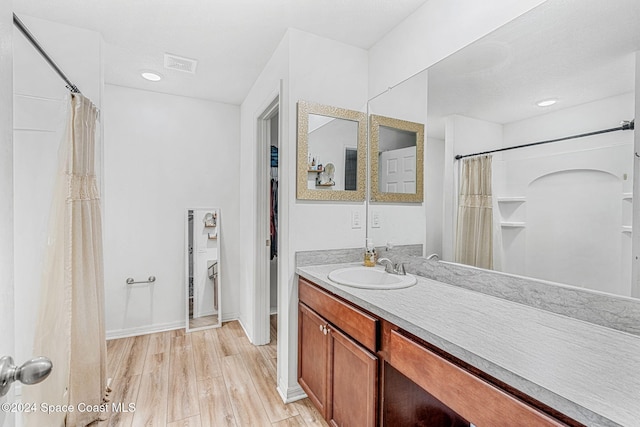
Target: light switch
x=355, y=219
x=375, y=219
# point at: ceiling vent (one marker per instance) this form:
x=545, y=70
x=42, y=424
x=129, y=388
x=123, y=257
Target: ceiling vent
x=180, y=63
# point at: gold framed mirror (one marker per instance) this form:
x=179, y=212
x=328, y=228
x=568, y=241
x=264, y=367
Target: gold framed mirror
x=332, y=157
x=396, y=156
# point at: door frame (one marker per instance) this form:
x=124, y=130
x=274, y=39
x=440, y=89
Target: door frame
x=262, y=309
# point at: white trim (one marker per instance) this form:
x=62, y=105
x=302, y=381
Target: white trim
x=262, y=284
x=244, y=329
x=290, y=394
x=162, y=327
x=143, y=330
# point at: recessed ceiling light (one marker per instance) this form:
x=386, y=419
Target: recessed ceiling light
x=546, y=102
x=151, y=76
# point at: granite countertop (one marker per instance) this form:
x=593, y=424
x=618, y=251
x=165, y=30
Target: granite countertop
x=586, y=371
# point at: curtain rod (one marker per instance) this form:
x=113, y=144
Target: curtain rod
x=25, y=31
x=625, y=125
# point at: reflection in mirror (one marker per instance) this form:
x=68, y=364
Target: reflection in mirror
x=397, y=154
x=561, y=211
x=202, y=268
x=403, y=223
x=331, y=153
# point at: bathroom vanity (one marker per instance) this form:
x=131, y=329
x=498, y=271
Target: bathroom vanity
x=436, y=354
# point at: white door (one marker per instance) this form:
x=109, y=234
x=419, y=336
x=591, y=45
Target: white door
x=6, y=291
x=6, y=199
x=398, y=170
x=6, y=258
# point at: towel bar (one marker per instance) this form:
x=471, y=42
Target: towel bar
x=151, y=279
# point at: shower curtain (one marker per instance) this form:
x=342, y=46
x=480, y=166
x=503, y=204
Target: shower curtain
x=474, y=231
x=70, y=324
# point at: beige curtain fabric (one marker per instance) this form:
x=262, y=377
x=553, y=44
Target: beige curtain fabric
x=474, y=232
x=70, y=325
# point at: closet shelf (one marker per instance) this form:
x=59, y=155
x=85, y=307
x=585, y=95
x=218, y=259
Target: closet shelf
x=512, y=224
x=516, y=199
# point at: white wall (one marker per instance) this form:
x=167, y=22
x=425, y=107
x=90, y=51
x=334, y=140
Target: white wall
x=270, y=85
x=574, y=196
x=40, y=110
x=327, y=72
x=164, y=154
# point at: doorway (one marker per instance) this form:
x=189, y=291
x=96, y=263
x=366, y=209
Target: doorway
x=268, y=237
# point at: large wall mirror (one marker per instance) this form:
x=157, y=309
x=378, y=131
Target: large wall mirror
x=331, y=153
x=562, y=211
x=396, y=156
x=202, y=272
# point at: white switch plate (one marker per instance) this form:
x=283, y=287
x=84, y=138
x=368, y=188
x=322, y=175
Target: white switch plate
x=355, y=219
x=375, y=219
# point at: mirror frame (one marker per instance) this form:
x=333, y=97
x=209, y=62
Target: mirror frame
x=375, y=121
x=218, y=229
x=303, y=192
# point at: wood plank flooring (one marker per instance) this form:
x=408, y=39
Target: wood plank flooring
x=206, y=378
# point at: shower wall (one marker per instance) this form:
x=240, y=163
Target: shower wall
x=39, y=112
x=564, y=209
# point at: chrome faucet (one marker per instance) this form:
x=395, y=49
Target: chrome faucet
x=389, y=267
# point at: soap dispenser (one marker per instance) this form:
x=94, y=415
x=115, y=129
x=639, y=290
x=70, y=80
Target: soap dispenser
x=369, y=254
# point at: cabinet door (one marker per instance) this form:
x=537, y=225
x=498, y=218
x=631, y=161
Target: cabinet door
x=313, y=357
x=353, y=386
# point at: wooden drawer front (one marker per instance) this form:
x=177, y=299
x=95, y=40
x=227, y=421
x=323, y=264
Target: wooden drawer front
x=474, y=399
x=360, y=326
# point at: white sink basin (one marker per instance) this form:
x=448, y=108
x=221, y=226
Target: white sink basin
x=371, y=278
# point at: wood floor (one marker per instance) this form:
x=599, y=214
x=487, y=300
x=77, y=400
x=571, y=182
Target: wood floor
x=205, y=378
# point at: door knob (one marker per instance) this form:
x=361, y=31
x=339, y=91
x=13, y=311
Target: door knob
x=31, y=372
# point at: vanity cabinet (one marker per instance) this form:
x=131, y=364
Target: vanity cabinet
x=464, y=394
x=360, y=370
x=338, y=373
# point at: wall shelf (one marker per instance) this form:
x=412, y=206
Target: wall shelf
x=512, y=224
x=516, y=199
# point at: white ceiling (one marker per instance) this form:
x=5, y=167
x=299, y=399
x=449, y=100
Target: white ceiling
x=231, y=39
x=574, y=50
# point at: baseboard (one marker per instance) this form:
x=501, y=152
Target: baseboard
x=228, y=317
x=143, y=330
x=163, y=327
x=243, y=328
x=290, y=394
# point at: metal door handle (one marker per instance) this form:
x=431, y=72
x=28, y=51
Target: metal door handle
x=31, y=372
